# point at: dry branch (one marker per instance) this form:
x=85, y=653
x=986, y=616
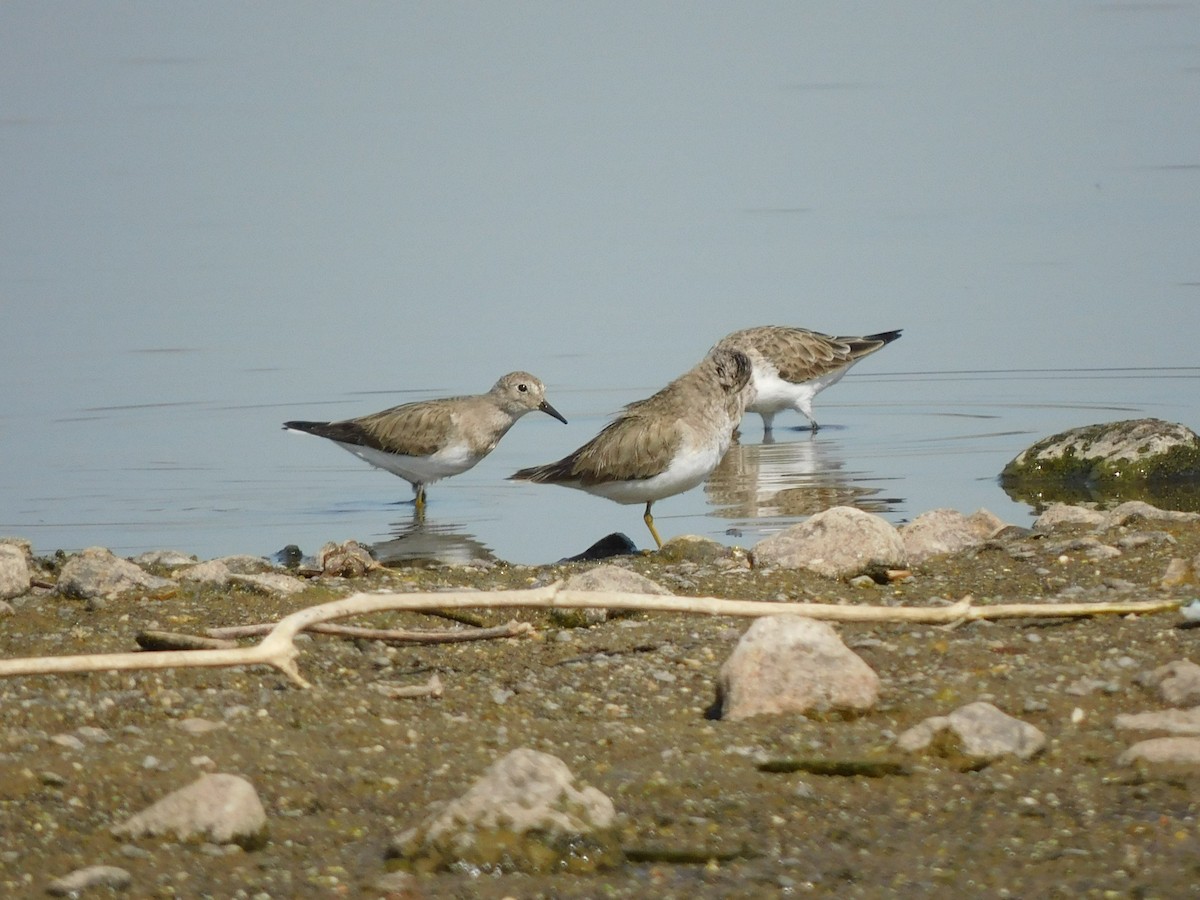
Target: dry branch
x=278, y=648
x=393, y=635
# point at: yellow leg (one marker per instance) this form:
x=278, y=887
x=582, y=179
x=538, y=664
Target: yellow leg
x=650, y=524
x=420, y=501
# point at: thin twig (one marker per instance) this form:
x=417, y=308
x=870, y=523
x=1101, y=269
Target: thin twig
x=278, y=648
x=393, y=635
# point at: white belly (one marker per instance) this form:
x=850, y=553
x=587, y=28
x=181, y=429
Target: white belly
x=685, y=472
x=452, y=460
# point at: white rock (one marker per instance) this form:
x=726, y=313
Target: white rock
x=1169, y=750
x=212, y=572
x=980, y=731
x=519, y=815
x=1059, y=515
x=85, y=879
x=603, y=578
x=1178, y=682
x=97, y=573
x=15, y=575
x=1173, y=721
x=838, y=543
x=1122, y=514
x=789, y=664
x=224, y=809
x=167, y=559
x=942, y=531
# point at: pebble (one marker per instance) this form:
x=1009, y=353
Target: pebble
x=219, y=808
x=87, y=878
x=524, y=813
x=789, y=664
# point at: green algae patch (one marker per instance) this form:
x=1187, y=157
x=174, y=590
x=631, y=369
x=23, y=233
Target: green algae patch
x=1136, y=459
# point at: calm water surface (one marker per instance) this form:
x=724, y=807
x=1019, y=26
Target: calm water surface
x=224, y=215
x=893, y=443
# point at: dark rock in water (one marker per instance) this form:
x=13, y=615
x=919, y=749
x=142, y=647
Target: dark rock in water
x=615, y=544
x=1137, y=459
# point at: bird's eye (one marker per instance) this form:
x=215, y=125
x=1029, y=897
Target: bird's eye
x=523, y=388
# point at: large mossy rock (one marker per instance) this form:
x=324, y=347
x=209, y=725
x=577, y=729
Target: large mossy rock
x=1136, y=459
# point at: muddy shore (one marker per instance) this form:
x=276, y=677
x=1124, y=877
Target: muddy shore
x=343, y=767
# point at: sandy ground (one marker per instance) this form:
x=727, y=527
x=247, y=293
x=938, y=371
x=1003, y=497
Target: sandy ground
x=342, y=767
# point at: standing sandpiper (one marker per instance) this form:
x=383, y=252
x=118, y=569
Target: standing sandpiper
x=793, y=365
x=663, y=445
x=433, y=439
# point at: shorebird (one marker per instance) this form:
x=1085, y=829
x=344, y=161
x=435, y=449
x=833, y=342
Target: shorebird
x=428, y=440
x=793, y=365
x=663, y=445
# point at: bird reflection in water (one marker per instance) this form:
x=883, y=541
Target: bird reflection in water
x=421, y=541
x=789, y=480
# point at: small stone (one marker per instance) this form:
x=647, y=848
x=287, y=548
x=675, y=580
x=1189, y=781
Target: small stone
x=838, y=543
x=1061, y=515
x=1178, y=682
x=163, y=559
x=937, y=533
x=1180, y=751
x=978, y=731
x=789, y=664
x=15, y=575
x=93, y=734
x=602, y=578
x=85, y=879
x=523, y=814
x=96, y=573
x=219, y=808
x=213, y=572
x=1172, y=721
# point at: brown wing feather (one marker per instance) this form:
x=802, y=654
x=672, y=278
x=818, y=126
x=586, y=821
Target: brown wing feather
x=414, y=429
x=801, y=355
x=629, y=448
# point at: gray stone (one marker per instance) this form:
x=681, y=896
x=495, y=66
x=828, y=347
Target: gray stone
x=1132, y=450
x=1178, y=682
x=603, y=578
x=523, y=814
x=1061, y=515
x=223, y=809
x=1172, y=721
x=15, y=574
x=213, y=572
x=1130, y=510
x=942, y=531
x=789, y=664
x=97, y=573
x=978, y=731
x=164, y=559
x=838, y=543
x=1180, y=751
x=82, y=880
